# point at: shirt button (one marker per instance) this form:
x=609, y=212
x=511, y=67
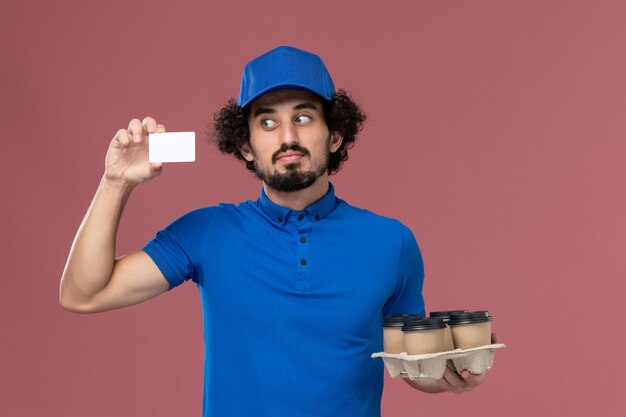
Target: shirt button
x=280, y=220
x=300, y=217
x=303, y=261
x=317, y=217
x=302, y=239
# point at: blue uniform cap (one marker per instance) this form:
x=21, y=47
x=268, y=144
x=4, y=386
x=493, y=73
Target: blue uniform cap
x=285, y=67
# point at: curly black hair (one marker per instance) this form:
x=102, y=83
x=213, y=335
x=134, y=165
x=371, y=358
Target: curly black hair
x=231, y=131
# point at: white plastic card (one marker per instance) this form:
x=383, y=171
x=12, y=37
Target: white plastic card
x=172, y=147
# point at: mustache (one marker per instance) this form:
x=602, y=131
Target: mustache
x=293, y=147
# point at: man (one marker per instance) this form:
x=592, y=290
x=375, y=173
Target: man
x=294, y=285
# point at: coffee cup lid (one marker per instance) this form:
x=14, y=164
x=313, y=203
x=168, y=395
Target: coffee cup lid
x=398, y=320
x=470, y=317
x=424, y=324
x=445, y=315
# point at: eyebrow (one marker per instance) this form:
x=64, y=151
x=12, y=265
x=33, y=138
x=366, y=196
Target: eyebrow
x=269, y=110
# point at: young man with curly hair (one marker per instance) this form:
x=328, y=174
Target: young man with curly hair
x=294, y=285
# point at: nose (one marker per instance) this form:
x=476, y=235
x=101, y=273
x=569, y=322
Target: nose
x=288, y=133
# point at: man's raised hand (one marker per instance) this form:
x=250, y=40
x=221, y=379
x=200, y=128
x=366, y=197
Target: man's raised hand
x=127, y=158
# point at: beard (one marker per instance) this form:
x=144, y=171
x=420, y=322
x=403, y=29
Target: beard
x=294, y=179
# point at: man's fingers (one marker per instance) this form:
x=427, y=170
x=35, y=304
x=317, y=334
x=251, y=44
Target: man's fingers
x=473, y=379
x=453, y=380
x=122, y=138
x=444, y=385
x=459, y=383
x=149, y=125
x=156, y=167
x=160, y=128
x=135, y=130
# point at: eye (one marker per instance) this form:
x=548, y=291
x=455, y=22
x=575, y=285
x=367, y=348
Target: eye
x=303, y=118
x=268, y=123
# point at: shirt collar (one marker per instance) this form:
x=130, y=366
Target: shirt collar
x=318, y=210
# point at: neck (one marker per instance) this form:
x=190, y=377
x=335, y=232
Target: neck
x=299, y=200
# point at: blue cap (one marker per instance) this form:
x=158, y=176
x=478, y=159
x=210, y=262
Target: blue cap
x=285, y=67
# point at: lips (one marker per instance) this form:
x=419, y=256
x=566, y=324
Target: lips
x=290, y=155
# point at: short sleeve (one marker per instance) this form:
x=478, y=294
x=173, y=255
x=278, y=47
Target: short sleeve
x=407, y=298
x=174, y=249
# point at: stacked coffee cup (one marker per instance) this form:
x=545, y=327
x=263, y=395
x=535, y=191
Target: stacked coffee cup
x=448, y=344
x=442, y=331
x=393, y=336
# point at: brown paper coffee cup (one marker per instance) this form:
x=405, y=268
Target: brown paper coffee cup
x=393, y=338
x=424, y=336
x=470, y=330
x=445, y=316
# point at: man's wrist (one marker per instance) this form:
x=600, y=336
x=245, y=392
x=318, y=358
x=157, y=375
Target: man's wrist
x=116, y=186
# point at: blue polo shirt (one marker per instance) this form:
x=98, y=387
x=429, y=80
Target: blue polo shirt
x=293, y=302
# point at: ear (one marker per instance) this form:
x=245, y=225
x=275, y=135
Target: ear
x=336, y=138
x=246, y=152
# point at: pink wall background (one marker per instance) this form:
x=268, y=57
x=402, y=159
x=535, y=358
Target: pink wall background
x=496, y=132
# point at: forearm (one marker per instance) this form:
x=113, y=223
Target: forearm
x=92, y=255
